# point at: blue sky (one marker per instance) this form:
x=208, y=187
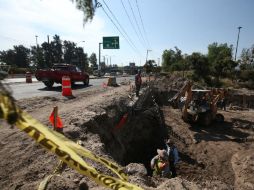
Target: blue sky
x=188, y=24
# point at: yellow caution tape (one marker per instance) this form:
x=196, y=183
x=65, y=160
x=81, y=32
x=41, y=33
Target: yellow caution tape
x=44, y=183
x=58, y=170
x=66, y=150
x=88, y=154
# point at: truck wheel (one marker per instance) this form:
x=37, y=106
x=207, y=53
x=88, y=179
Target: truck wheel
x=86, y=82
x=48, y=84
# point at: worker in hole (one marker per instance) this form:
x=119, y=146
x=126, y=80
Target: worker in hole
x=138, y=82
x=173, y=156
x=160, y=164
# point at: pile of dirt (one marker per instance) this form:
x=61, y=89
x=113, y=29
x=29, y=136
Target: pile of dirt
x=128, y=130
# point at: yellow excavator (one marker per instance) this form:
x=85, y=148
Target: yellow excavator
x=198, y=106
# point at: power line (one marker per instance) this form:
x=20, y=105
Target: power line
x=133, y=47
x=133, y=26
x=136, y=20
x=142, y=23
x=119, y=24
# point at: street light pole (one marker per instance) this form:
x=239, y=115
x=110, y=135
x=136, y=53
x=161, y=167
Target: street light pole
x=239, y=28
x=99, y=64
x=36, y=49
x=36, y=40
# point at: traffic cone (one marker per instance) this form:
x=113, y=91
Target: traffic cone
x=66, y=86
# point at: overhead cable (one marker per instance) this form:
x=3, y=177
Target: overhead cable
x=132, y=24
x=142, y=23
x=129, y=39
x=133, y=47
x=136, y=22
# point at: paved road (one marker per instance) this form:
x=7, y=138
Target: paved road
x=29, y=90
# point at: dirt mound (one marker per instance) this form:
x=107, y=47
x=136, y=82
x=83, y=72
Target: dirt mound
x=242, y=163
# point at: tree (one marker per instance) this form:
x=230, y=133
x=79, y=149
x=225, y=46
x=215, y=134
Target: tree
x=82, y=58
x=69, y=51
x=18, y=57
x=200, y=65
x=172, y=60
x=37, y=57
x=8, y=57
x=93, y=60
x=87, y=7
x=46, y=54
x=149, y=66
x=21, y=56
x=56, y=49
x=220, y=59
x=247, y=55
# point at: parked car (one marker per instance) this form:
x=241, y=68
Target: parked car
x=54, y=75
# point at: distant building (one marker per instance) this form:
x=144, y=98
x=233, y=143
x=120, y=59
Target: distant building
x=132, y=64
x=131, y=69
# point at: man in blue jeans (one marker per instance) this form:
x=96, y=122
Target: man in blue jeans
x=172, y=156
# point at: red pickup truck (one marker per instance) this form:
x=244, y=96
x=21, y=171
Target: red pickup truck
x=54, y=75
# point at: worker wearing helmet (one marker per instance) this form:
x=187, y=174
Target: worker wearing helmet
x=160, y=164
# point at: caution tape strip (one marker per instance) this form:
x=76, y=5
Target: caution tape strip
x=88, y=154
x=44, y=183
x=66, y=150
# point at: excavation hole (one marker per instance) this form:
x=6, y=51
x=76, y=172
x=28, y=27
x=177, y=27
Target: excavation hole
x=137, y=140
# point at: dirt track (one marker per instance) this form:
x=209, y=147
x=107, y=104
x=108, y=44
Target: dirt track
x=217, y=156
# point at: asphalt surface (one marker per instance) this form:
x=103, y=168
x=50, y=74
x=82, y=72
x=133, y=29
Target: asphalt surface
x=22, y=90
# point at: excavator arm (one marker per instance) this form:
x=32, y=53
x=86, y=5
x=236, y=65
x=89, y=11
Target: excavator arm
x=218, y=94
x=186, y=92
x=182, y=92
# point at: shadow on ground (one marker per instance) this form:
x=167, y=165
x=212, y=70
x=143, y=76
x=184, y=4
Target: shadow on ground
x=225, y=131
x=59, y=88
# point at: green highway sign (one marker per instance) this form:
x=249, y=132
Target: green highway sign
x=111, y=42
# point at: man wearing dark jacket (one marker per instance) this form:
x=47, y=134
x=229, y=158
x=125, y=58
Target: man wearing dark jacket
x=138, y=82
x=172, y=155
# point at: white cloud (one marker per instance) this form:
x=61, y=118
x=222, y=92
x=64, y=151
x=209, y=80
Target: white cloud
x=22, y=20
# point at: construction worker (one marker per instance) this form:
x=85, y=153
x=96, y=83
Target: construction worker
x=138, y=82
x=160, y=164
x=173, y=156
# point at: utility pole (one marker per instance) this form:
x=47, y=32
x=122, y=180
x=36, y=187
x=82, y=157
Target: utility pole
x=99, y=64
x=49, y=51
x=36, y=40
x=36, y=50
x=147, y=54
x=239, y=28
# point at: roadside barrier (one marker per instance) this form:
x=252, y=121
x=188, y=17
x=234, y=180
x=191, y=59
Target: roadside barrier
x=66, y=150
x=28, y=77
x=66, y=86
x=112, y=81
